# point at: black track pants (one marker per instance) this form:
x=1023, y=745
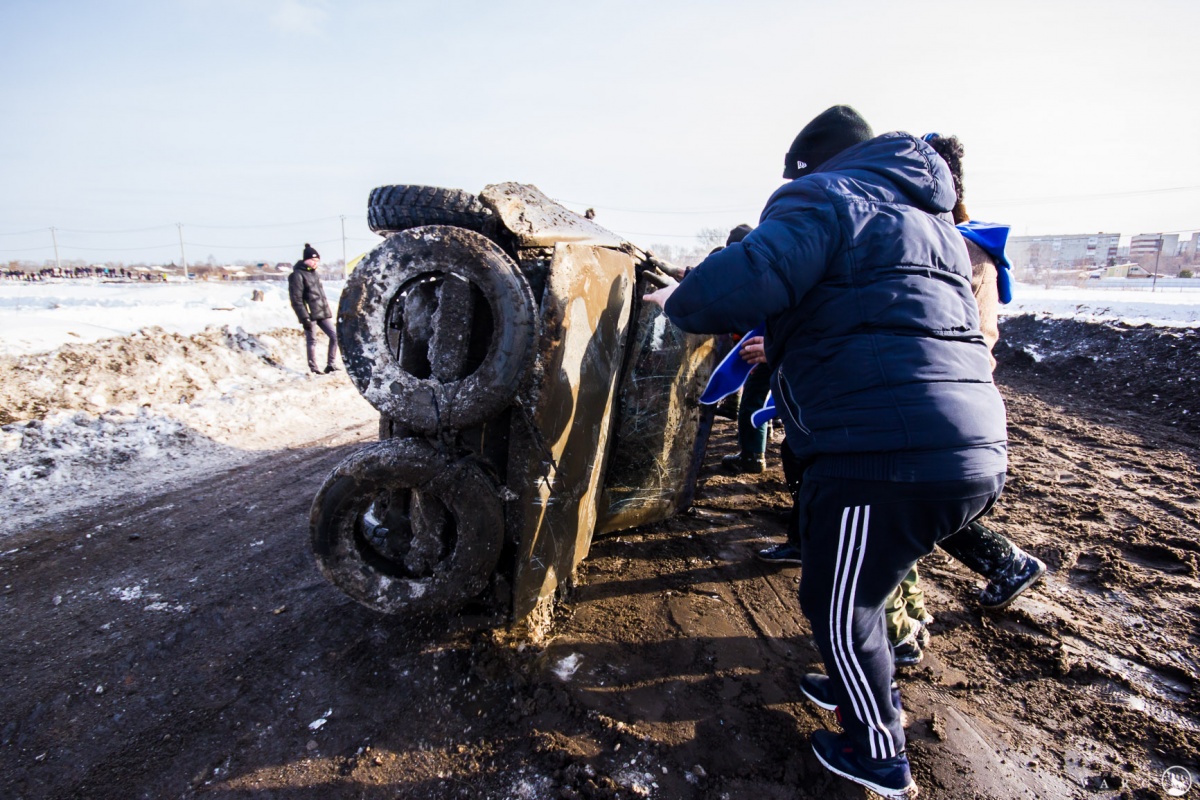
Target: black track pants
x=859, y=539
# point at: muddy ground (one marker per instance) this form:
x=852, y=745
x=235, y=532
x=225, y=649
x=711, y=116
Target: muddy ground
x=182, y=644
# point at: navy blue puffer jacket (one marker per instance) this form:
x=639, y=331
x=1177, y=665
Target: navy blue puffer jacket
x=881, y=371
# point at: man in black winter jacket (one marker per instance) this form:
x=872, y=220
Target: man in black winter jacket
x=883, y=383
x=312, y=309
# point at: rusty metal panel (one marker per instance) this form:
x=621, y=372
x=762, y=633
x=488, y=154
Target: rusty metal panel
x=585, y=312
x=538, y=221
x=661, y=429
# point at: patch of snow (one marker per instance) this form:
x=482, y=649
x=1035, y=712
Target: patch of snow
x=98, y=421
x=568, y=666
x=131, y=593
x=178, y=609
x=319, y=723
x=534, y=787
x=41, y=316
x=1133, y=306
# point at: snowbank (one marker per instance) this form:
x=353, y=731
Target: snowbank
x=39, y=317
x=90, y=422
x=1172, y=309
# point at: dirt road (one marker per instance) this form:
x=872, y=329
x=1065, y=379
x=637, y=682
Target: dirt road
x=182, y=644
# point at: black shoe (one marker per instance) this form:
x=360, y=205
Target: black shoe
x=738, y=464
x=785, y=553
x=332, y=368
x=1008, y=585
x=819, y=689
x=887, y=777
x=908, y=652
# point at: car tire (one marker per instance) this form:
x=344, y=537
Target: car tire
x=397, y=208
x=438, y=328
x=404, y=528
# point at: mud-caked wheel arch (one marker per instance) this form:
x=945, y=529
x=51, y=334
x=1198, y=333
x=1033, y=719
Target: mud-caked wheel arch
x=402, y=527
x=438, y=328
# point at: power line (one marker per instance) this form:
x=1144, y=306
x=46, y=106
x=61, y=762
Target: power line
x=25, y=233
x=127, y=230
x=1074, y=197
x=116, y=249
x=741, y=210
x=263, y=246
x=190, y=225
x=275, y=225
x=660, y=235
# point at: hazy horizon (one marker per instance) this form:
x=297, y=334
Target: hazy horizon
x=259, y=125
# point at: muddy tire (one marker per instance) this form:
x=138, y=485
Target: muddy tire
x=438, y=328
x=398, y=208
x=403, y=528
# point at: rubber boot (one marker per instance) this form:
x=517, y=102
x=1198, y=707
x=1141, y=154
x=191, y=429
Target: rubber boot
x=981, y=550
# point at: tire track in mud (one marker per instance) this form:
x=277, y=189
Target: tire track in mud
x=151, y=611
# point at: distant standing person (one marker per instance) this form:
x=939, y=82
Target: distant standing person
x=312, y=309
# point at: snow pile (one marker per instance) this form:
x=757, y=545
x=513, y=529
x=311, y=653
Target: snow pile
x=41, y=316
x=1170, y=309
x=120, y=416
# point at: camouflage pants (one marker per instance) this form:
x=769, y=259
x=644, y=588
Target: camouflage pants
x=906, y=604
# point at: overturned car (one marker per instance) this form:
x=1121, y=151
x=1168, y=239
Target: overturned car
x=528, y=401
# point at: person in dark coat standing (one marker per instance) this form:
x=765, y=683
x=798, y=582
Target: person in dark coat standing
x=884, y=385
x=312, y=309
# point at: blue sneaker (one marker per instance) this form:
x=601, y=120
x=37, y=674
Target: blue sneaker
x=785, y=553
x=887, y=777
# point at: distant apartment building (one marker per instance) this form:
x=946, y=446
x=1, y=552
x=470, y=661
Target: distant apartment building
x=1150, y=244
x=1058, y=252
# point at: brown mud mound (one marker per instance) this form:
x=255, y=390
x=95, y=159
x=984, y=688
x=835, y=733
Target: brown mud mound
x=151, y=367
x=183, y=644
x=1143, y=369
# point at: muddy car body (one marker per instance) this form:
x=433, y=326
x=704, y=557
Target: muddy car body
x=529, y=401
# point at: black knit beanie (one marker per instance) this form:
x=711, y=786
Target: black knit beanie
x=830, y=132
x=738, y=233
x=310, y=252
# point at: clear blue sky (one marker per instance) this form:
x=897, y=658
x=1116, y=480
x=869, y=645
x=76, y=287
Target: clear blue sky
x=665, y=116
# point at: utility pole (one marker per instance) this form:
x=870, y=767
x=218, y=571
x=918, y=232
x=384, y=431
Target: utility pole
x=182, y=254
x=1157, y=255
x=343, y=218
x=54, y=237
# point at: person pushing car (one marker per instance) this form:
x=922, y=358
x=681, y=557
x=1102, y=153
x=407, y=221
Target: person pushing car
x=883, y=382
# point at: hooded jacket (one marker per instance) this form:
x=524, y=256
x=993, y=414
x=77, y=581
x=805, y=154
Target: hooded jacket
x=881, y=372
x=307, y=295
